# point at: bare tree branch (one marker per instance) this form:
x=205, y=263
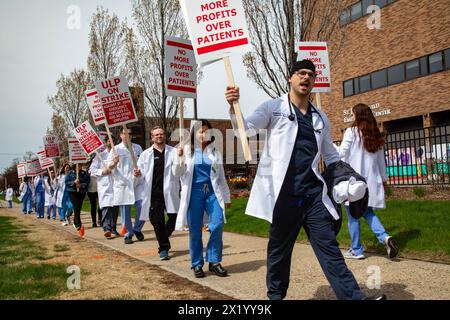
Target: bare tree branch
x=276, y=25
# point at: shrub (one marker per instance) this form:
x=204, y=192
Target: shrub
x=419, y=192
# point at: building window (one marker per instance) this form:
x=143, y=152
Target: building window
x=348, y=88
x=379, y=79
x=447, y=59
x=345, y=17
x=381, y=3
x=356, y=11
x=412, y=69
x=436, y=62
x=423, y=66
x=364, y=83
x=365, y=5
x=396, y=74
x=356, y=85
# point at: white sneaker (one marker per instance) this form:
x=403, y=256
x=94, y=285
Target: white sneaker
x=391, y=247
x=64, y=224
x=351, y=255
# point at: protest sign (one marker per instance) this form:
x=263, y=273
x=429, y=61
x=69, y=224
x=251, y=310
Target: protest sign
x=116, y=99
x=317, y=53
x=76, y=152
x=51, y=146
x=88, y=138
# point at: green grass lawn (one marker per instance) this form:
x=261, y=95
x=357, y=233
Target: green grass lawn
x=23, y=275
x=421, y=228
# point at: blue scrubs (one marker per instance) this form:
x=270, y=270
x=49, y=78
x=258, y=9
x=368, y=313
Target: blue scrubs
x=204, y=199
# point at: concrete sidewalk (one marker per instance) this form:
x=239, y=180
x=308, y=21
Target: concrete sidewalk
x=245, y=259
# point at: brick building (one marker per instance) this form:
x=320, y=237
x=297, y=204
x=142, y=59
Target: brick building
x=401, y=70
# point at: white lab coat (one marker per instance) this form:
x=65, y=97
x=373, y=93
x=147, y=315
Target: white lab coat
x=281, y=135
x=61, y=188
x=9, y=194
x=104, y=182
x=369, y=165
x=171, y=184
x=218, y=181
x=126, y=187
x=23, y=188
x=48, y=195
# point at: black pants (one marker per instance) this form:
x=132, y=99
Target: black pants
x=109, y=218
x=77, y=199
x=171, y=222
x=290, y=214
x=93, y=197
x=162, y=231
x=115, y=217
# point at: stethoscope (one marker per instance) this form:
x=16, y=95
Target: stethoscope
x=292, y=116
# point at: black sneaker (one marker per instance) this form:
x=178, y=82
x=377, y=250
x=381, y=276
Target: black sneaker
x=391, y=247
x=382, y=297
x=198, y=272
x=218, y=270
x=139, y=235
x=94, y=225
x=128, y=241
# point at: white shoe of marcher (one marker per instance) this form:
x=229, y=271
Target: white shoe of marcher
x=351, y=255
x=391, y=247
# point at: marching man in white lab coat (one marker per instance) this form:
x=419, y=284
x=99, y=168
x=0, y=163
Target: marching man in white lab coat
x=289, y=191
x=50, y=201
x=9, y=196
x=157, y=168
x=105, y=191
x=128, y=190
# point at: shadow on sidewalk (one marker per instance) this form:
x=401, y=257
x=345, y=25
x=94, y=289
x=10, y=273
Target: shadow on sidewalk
x=245, y=266
x=393, y=291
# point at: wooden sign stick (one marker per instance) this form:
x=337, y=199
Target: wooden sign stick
x=78, y=175
x=130, y=146
x=111, y=141
x=238, y=113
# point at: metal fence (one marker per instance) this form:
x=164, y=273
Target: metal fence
x=418, y=157
x=414, y=157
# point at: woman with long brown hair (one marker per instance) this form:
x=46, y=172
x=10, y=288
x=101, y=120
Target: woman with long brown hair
x=362, y=148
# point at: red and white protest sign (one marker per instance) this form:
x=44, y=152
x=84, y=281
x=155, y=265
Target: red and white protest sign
x=44, y=161
x=51, y=146
x=88, y=138
x=218, y=28
x=33, y=168
x=317, y=52
x=95, y=107
x=21, y=170
x=116, y=100
x=76, y=152
x=181, y=68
